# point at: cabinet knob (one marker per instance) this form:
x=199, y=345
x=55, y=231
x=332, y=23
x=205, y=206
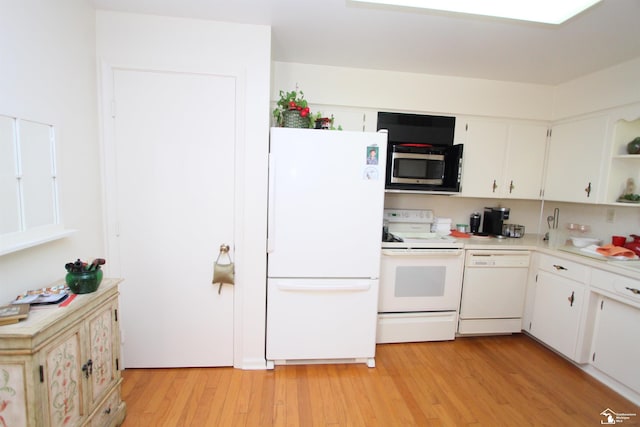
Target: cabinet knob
x=588, y=190
x=87, y=368
x=633, y=290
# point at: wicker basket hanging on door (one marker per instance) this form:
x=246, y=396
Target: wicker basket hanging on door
x=292, y=119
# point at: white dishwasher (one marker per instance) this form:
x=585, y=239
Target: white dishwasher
x=493, y=291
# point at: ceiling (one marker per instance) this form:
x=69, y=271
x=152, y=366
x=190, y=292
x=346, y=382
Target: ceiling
x=344, y=33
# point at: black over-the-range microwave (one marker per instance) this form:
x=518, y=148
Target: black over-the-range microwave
x=421, y=155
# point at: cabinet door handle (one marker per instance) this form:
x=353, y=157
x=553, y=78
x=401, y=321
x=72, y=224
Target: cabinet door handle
x=559, y=267
x=588, y=190
x=511, y=187
x=87, y=368
x=633, y=290
x=571, y=299
x=494, y=186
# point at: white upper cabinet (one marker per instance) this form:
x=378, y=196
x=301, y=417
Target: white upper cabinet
x=525, y=161
x=575, y=160
x=484, y=154
x=503, y=159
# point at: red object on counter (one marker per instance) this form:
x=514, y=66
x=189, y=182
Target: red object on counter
x=634, y=245
x=68, y=300
x=618, y=240
x=460, y=234
x=611, y=250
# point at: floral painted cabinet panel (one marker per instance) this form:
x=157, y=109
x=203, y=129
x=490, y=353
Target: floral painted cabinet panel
x=64, y=382
x=13, y=410
x=73, y=372
x=101, y=353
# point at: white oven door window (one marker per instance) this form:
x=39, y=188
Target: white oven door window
x=423, y=282
x=420, y=281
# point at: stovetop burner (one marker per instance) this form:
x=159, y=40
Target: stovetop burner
x=411, y=228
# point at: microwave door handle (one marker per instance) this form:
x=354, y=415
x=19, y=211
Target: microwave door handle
x=415, y=145
x=454, y=150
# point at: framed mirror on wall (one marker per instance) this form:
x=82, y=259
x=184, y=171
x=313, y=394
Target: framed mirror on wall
x=30, y=213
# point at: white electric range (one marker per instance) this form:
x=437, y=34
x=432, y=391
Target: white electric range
x=420, y=279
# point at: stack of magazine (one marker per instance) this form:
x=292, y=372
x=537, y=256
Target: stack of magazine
x=43, y=296
x=13, y=313
x=20, y=307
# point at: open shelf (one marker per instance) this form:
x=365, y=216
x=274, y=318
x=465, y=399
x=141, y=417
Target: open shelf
x=623, y=165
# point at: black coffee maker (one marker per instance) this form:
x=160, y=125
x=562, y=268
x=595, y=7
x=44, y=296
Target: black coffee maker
x=493, y=220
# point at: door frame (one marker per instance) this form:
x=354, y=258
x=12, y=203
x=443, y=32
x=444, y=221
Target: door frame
x=107, y=141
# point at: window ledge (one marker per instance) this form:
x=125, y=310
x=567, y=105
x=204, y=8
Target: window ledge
x=14, y=242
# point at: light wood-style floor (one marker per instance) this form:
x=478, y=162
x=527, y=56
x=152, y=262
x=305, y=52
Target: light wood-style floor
x=480, y=381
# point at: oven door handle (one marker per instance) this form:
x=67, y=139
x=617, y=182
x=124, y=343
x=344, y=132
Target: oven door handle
x=422, y=252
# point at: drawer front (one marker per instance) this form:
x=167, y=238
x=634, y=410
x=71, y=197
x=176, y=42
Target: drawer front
x=625, y=288
x=108, y=410
x=564, y=268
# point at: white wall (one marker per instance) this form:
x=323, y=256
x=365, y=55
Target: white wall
x=48, y=74
x=626, y=220
x=609, y=88
x=190, y=45
x=381, y=90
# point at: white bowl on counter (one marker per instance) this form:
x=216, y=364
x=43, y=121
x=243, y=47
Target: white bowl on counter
x=582, y=242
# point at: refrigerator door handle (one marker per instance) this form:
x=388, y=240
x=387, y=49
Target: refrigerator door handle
x=271, y=224
x=324, y=287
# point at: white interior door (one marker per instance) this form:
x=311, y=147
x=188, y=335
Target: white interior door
x=174, y=139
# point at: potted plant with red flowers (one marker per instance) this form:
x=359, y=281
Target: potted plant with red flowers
x=292, y=110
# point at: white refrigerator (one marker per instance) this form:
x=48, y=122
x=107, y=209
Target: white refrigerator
x=326, y=200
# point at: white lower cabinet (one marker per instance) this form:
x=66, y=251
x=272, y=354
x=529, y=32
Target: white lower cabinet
x=558, y=305
x=59, y=367
x=616, y=348
x=589, y=315
x=557, y=311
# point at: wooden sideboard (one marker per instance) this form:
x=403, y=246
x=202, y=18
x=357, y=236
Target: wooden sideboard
x=60, y=366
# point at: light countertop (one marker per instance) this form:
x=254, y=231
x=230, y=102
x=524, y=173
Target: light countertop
x=535, y=242
x=529, y=241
